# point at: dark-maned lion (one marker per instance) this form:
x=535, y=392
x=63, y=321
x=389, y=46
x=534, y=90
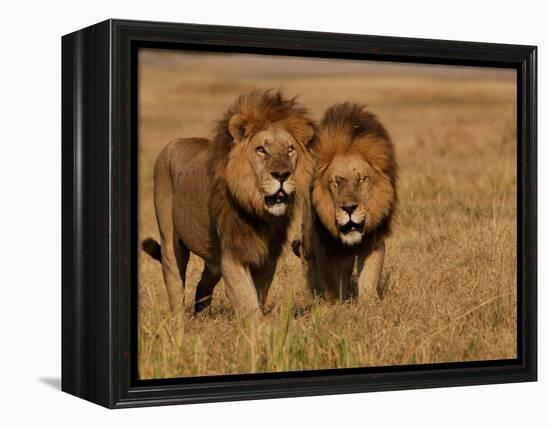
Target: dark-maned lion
x=353, y=198
x=230, y=200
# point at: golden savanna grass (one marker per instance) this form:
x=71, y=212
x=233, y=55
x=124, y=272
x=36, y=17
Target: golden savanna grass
x=450, y=274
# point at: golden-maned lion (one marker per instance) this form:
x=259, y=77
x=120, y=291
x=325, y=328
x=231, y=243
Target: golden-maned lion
x=230, y=200
x=353, y=198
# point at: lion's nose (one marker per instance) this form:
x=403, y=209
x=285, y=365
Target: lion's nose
x=280, y=175
x=349, y=208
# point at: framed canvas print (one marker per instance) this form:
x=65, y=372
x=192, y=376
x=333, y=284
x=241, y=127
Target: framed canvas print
x=253, y=213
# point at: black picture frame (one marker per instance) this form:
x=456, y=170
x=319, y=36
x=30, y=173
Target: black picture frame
x=99, y=215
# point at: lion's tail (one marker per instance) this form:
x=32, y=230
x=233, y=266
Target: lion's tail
x=151, y=247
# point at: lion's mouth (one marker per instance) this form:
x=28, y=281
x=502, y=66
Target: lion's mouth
x=351, y=226
x=280, y=197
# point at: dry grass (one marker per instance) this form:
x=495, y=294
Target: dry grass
x=450, y=272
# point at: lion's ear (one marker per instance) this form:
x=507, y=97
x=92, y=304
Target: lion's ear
x=310, y=137
x=237, y=127
x=304, y=132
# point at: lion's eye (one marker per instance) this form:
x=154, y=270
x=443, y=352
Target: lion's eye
x=291, y=150
x=261, y=150
x=363, y=180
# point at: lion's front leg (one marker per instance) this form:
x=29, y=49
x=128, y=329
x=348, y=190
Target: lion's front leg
x=369, y=266
x=263, y=277
x=239, y=287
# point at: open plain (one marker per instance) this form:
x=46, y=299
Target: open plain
x=449, y=281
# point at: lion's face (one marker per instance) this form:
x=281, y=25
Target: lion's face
x=273, y=156
x=268, y=161
x=349, y=179
x=351, y=198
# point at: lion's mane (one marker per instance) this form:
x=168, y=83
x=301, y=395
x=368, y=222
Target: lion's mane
x=350, y=129
x=246, y=231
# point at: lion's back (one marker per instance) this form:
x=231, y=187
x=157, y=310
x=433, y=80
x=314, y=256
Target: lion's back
x=183, y=151
x=182, y=169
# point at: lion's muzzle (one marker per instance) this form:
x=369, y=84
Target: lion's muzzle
x=278, y=195
x=278, y=183
x=280, y=176
x=351, y=225
x=281, y=197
